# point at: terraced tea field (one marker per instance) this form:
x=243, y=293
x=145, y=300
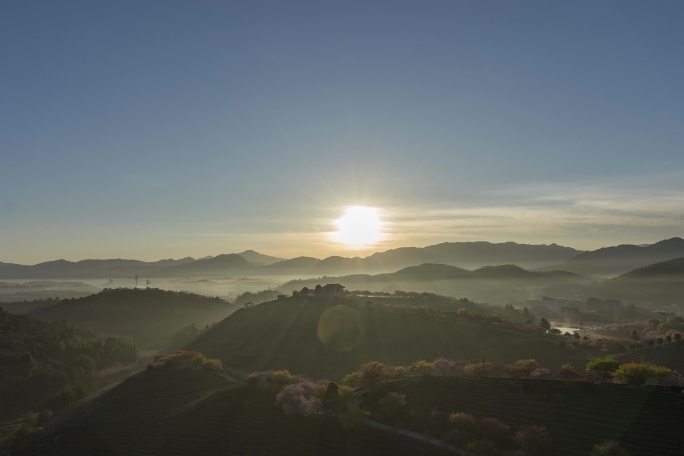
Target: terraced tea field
x=648, y=420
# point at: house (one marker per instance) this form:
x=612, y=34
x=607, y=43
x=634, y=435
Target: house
x=331, y=289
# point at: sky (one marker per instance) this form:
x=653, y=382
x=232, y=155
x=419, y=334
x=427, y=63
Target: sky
x=169, y=128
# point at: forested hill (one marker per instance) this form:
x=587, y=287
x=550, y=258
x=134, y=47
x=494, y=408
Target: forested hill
x=151, y=317
x=45, y=365
x=330, y=335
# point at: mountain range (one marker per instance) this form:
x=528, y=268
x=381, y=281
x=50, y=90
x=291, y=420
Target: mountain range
x=464, y=254
x=622, y=258
x=607, y=261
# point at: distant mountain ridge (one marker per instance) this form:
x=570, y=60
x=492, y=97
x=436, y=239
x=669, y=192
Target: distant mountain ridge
x=623, y=258
x=465, y=254
x=493, y=284
x=606, y=261
x=665, y=270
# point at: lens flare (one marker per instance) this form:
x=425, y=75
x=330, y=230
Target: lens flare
x=359, y=226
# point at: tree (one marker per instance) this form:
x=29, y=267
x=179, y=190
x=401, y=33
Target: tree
x=372, y=373
x=640, y=373
x=602, y=366
x=300, y=398
x=544, y=324
x=567, y=372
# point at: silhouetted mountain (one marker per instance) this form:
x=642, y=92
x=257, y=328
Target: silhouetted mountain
x=623, y=258
x=259, y=259
x=84, y=269
x=329, y=335
x=432, y=272
x=15, y=292
x=496, y=284
x=666, y=270
x=230, y=263
x=464, y=254
x=299, y=265
x=150, y=317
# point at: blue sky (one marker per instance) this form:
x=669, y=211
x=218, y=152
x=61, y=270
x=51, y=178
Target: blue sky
x=173, y=128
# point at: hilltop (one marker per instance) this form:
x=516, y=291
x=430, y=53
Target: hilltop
x=327, y=335
x=150, y=317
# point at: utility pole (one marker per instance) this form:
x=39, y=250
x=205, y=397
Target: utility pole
x=136, y=281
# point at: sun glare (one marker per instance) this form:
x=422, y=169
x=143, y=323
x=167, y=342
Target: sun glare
x=359, y=226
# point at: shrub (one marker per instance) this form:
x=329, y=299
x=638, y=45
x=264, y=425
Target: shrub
x=443, y=365
x=522, y=367
x=351, y=380
x=609, y=448
x=640, y=373
x=567, y=372
x=479, y=369
x=461, y=421
x=185, y=359
x=393, y=404
x=253, y=379
x=281, y=378
x=372, y=373
x=300, y=398
x=341, y=400
x=540, y=372
x=482, y=448
x=422, y=367
x=533, y=439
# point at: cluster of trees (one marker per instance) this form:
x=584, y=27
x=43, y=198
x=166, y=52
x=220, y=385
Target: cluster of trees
x=654, y=332
x=633, y=373
x=371, y=374
x=256, y=297
x=46, y=365
x=485, y=436
x=363, y=394
x=185, y=359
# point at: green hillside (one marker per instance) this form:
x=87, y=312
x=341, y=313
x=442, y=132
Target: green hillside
x=150, y=317
x=326, y=336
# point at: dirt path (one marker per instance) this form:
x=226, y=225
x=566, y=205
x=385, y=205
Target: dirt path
x=416, y=436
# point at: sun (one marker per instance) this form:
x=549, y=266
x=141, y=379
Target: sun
x=359, y=226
